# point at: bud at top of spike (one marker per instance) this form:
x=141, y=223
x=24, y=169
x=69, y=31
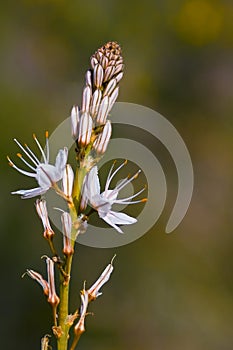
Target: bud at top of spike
x=110, y=59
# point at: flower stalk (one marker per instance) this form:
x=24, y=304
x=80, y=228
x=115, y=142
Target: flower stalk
x=91, y=129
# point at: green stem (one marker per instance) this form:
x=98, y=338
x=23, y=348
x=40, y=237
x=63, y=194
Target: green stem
x=63, y=322
x=62, y=341
x=79, y=177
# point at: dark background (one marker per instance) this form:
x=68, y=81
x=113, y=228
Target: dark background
x=168, y=291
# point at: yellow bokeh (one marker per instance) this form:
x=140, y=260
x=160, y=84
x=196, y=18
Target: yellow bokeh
x=199, y=22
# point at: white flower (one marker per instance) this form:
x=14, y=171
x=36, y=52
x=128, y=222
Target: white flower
x=45, y=174
x=103, y=202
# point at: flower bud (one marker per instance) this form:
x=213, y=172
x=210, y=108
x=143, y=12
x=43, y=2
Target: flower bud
x=53, y=299
x=103, y=111
x=85, y=129
x=68, y=180
x=43, y=214
x=66, y=229
x=101, y=142
x=75, y=117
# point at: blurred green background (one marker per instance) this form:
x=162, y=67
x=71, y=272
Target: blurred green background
x=168, y=291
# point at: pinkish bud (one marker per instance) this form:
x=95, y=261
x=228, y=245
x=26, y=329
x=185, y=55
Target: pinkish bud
x=66, y=229
x=53, y=299
x=43, y=214
x=85, y=129
x=101, y=142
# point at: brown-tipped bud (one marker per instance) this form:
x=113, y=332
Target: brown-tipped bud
x=101, y=142
x=104, y=62
x=110, y=87
x=98, y=75
x=53, y=299
x=68, y=180
x=66, y=229
x=38, y=278
x=85, y=129
x=80, y=326
x=119, y=76
x=109, y=72
x=94, y=62
x=103, y=111
x=110, y=59
x=95, y=103
x=84, y=196
x=75, y=116
x=119, y=68
x=113, y=97
x=86, y=99
x=43, y=214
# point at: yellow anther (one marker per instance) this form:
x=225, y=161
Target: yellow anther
x=19, y=155
x=143, y=200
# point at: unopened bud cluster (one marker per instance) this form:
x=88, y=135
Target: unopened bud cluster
x=90, y=124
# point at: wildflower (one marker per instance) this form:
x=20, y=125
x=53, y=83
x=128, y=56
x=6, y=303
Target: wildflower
x=103, y=202
x=45, y=174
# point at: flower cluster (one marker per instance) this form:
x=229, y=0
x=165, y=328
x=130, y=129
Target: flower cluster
x=90, y=124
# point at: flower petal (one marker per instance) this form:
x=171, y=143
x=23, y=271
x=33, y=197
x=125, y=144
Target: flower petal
x=92, y=183
x=61, y=160
x=113, y=219
x=47, y=174
x=30, y=193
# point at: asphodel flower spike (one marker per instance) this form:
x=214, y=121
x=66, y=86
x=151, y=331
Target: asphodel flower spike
x=47, y=175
